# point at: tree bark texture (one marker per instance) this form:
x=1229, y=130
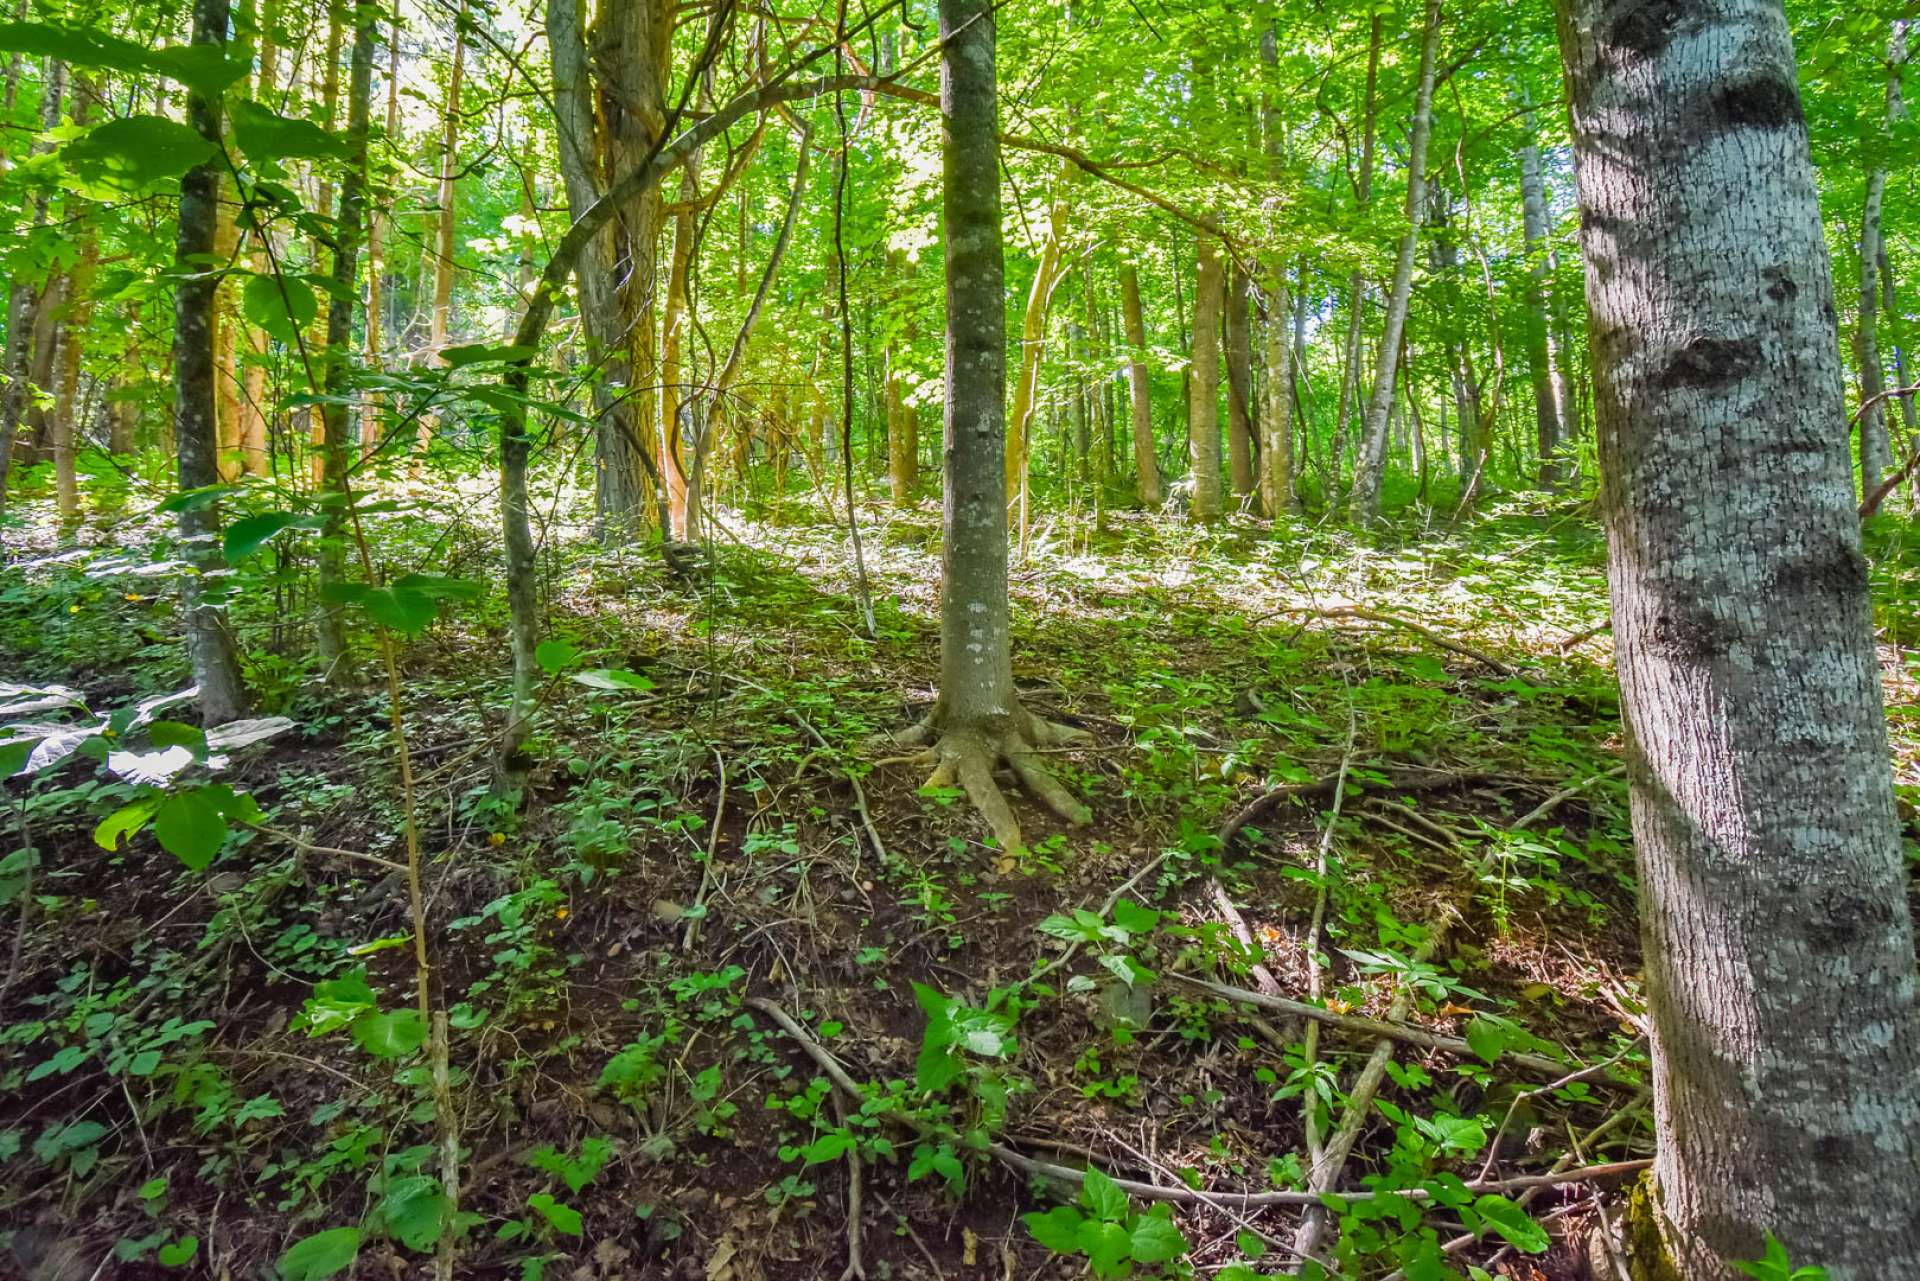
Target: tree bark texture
x=1780, y=964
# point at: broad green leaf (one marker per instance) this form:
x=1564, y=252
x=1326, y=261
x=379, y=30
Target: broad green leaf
x=1486, y=1039
x=1511, y=1222
x=193, y=500
x=179, y=1253
x=480, y=353
x=1156, y=1240
x=134, y=155
x=1108, y=1246
x=1103, y=1196
x=1058, y=1229
x=178, y=734
x=281, y=305
x=415, y=1211
x=190, y=827
x=1133, y=918
x=250, y=533
x=389, y=1034
x=563, y=1218
x=555, y=656
x=202, y=68
x=612, y=678
x=439, y=586
x=324, y=1254
x=124, y=822
x=267, y=136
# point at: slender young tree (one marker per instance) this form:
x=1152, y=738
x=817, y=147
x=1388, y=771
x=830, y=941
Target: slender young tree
x=1146, y=467
x=1777, y=936
x=349, y=232
x=1369, y=468
x=1546, y=401
x=978, y=720
x=216, y=669
x=1203, y=389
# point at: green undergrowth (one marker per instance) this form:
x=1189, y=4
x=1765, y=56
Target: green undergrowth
x=211, y=1057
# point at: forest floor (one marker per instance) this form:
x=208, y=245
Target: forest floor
x=691, y=854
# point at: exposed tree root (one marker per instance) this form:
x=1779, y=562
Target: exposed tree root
x=968, y=754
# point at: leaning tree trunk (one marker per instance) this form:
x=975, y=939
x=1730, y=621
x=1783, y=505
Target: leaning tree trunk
x=1146, y=466
x=1778, y=943
x=1369, y=468
x=1203, y=389
x=223, y=696
x=978, y=720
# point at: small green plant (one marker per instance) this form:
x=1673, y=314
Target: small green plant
x=1104, y=1227
x=1774, y=1265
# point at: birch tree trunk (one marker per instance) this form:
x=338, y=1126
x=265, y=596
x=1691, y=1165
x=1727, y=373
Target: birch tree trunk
x=1146, y=467
x=216, y=670
x=1203, y=394
x=1370, y=467
x=1778, y=943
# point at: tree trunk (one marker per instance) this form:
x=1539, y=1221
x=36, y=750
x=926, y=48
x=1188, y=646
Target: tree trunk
x=978, y=720
x=25, y=303
x=335, y=443
x=1778, y=944
x=73, y=329
x=1240, y=417
x=376, y=281
x=1546, y=408
x=1876, y=448
x=223, y=696
x=1203, y=397
x=674, y=323
x=440, y=319
x=1033, y=344
x=1276, y=425
x=1146, y=468
x=1371, y=465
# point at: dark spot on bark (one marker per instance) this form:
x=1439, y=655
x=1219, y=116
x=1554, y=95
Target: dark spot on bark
x=1709, y=362
x=1833, y=1149
x=1644, y=28
x=1837, y=571
x=1782, y=289
x=1838, y=923
x=1690, y=634
x=1764, y=101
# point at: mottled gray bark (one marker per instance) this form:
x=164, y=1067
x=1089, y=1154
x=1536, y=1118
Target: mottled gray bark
x=1369, y=468
x=1146, y=467
x=978, y=720
x=1778, y=943
x=216, y=670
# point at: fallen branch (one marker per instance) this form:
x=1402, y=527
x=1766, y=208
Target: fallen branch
x=1176, y=1195
x=1553, y=802
x=1394, y=620
x=1397, y=781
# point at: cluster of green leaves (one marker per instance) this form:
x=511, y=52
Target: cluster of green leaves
x=1115, y=1239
